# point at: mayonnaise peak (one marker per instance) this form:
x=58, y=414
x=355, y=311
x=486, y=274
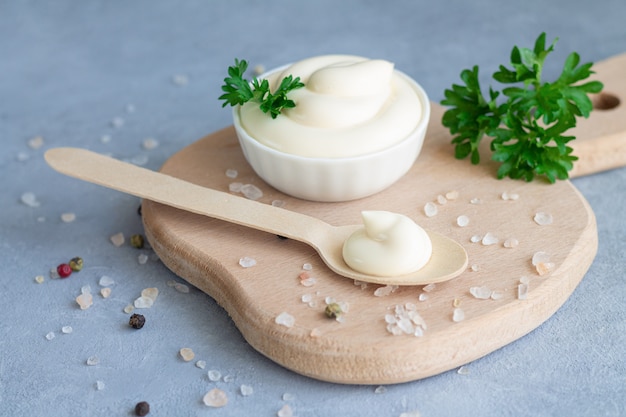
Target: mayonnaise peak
x=350, y=106
x=389, y=244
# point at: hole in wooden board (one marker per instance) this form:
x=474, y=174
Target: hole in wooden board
x=605, y=101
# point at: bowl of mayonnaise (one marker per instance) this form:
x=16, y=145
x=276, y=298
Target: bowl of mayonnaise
x=357, y=127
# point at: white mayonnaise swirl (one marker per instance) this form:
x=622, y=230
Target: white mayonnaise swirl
x=389, y=244
x=350, y=106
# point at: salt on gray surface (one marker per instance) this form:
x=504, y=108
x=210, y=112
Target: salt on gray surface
x=30, y=199
x=215, y=398
x=246, y=390
x=214, y=375
x=106, y=281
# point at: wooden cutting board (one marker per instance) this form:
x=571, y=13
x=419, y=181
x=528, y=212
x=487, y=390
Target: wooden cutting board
x=359, y=349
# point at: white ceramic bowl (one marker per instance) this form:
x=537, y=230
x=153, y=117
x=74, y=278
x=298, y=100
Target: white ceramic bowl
x=335, y=179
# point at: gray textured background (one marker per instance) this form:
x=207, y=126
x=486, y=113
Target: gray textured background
x=67, y=68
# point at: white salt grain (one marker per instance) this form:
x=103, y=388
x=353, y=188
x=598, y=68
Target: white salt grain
x=214, y=375
x=50, y=335
x=476, y=238
x=143, y=302
x=497, y=295
x=151, y=293
x=106, y=281
x=429, y=287
x=93, y=360
x=511, y=243
x=67, y=329
x=462, y=221
x=385, y=291
x=278, y=203
x=215, y=398
x=150, y=143
x=307, y=267
x=542, y=218
x=458, y=315
x=201, y=364
x=285, y=411
x=118, y=239
x=232, y=173
x=476, y=200
x=251, y=192
x=99, y=385
x=30, y=200
x=512, y=196
x=430, y=209
x=540, y=257
x=380, y=389
x=308, y=282
x=463, y=370
x=423, y=297
x=474, y=268
x=285, y=319
x=441, y=199
x=142, y=258
x=68, y=217
x=235, y=187
x=247, y=262
x=228, y=378
x=452, y=195
x=246, y=390
x=482, y=293
x=39, y=279
x=186, y=354
x=522, y=291
x=489, y=239
x=36, y=142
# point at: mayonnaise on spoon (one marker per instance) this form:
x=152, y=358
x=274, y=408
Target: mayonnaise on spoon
x=389, y=244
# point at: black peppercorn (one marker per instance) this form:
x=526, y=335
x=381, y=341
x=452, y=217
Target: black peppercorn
x=142, y=408
x=137, y=321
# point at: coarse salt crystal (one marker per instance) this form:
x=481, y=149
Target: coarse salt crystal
x=68, y=217
x=423, y=297
x=251, y=191
x=308, y=282
x=215, y=398
x=67, y=329
x=482, y=293
x=285, y=319
x=463, y=370
x=235, y=187
x=380, y=389
x=307, y=298
x=246, y=390
x=458, y=315
x=476, y=200
x=544, y=267
x=452, y=195
x=99, y=385
x=129, y=309
x=118, y=239
x=385, y=291
x=232, y=173
x=285, y=411
x=441, y=199
x=106, y=281
x=214, y=375
x=497, y=295
x=105, y=292
x=489, y=239
x=201, y=364
x=278, y=203
x=540, y=257
x=39, y=279
x=93, y=360
x=247, y=262
x=522, y=291
x=511, y=243
x=187, y=354
x=142, y=258
x=429, y=287
x=150, y=143
x=511, y=196
x=462, y=221
x=542, y=218
x=84, y=300
x=117, y=122
x=476, y=238
x=143, y=302
x=430, y=209
x=36, y=142
x=50, y=335
x=30, y=200
x=151, y=293
x=474, y=268
x=307, y=267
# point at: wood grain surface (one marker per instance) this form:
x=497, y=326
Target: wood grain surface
x=359, y=349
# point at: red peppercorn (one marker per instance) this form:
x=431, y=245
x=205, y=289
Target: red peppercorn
x=64, y=270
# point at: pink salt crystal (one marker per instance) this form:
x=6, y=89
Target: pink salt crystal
x=84, y=300
x=118, y=239
x=285, y=411
x=105, y=292
x=187, y=354
x=215, y=398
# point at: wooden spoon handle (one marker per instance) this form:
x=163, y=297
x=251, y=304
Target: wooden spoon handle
x=161, y=188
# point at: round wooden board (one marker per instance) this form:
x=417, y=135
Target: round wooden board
x=360, y=349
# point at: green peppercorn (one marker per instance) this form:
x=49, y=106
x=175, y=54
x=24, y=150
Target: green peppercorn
x=76, y=264
x=137, y=321
x=333, y=310
x=142, y=408
x=137, y=241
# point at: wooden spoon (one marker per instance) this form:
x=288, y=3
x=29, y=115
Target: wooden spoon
x=449, y=258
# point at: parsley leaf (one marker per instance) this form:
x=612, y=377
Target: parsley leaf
x=238, y=90
x=527, y=128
